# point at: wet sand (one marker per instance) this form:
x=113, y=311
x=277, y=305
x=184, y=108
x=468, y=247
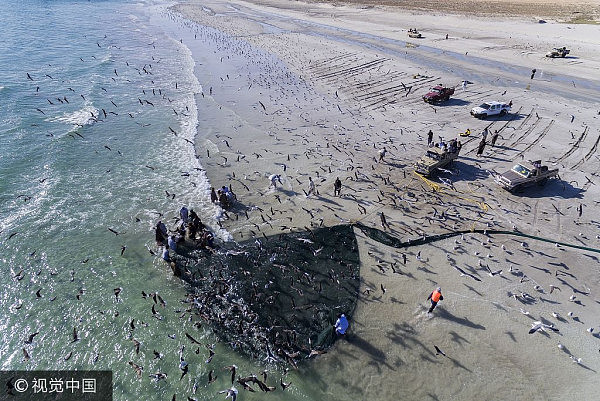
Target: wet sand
x=317, y=90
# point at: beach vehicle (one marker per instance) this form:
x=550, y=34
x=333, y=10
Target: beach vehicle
x=490, y=109
x=413, y=33
x=438, y=93
x=558, y=52
x=437, y=157
x=525, y=174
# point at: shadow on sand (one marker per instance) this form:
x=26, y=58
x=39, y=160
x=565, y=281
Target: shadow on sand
x=444, y=314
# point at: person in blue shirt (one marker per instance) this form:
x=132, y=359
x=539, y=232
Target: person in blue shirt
x=184, y=214
x=172, y=244
x=341, y=325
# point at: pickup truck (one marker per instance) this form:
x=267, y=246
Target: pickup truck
x=436, y=157
x=413, y=33
x=490, y=109
x=525, y=174
x=438, y=93
x=558, y=52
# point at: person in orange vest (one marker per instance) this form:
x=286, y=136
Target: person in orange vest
x=435, y=296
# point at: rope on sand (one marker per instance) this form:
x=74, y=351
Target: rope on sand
x=387, y=239
x=438, y=188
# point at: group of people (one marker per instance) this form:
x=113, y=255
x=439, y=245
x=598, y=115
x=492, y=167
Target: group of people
x=190, y=227
x=223, y=196
x=483, y=142
x=453, y=146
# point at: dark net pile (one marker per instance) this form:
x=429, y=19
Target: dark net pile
x=276, y=298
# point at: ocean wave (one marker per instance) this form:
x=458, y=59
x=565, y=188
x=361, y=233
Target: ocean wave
x=85, y=116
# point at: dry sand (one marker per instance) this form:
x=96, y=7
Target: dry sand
x=317, y=89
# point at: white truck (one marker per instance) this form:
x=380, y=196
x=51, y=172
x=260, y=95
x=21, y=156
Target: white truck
x=558, y=52
x=490, y=109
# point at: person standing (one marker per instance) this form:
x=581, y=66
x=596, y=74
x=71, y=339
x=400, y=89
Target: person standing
x=382, y=153
x=481, y=147
x=311, y=186
x=495, y=137
x=341, y=325
x=274, y=178
x=160, y=233
x=337, y=187
x=172, y=243
x=435, y=297
x=533, y=73
x=184, y=214
x=429, y=137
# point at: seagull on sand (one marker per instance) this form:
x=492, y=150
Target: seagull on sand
x=535, y=326
x=493, y=273
x=438, y=351
x=575, y=360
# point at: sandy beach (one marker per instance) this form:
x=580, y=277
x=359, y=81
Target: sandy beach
x=317, y=90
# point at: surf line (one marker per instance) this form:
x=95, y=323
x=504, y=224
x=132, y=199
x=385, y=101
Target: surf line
x=386, y=239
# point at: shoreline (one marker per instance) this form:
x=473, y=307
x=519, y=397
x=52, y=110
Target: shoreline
x=286, y=88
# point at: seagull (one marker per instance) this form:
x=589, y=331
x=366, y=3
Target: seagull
x=572, y=298
x=438, y=351
x=535, y=326
x=232, y=392
x=553, y=287
x=590, y=330
x=523, y=311
x=493, y=273
x=555, y=315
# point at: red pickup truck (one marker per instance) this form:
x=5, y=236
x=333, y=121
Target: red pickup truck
x=438, y=93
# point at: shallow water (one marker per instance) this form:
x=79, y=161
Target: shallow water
x=69, y=172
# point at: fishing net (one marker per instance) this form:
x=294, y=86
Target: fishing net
x=276, y=298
